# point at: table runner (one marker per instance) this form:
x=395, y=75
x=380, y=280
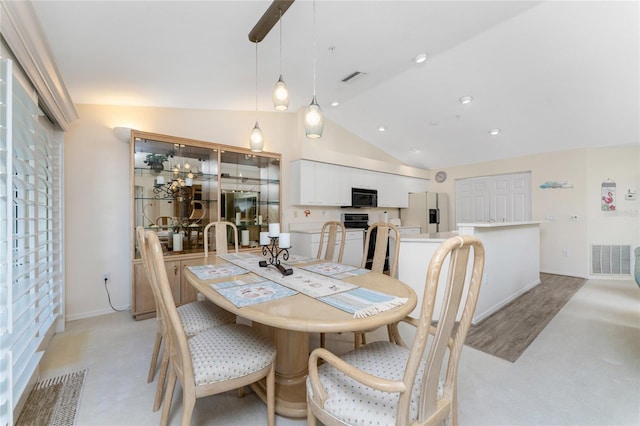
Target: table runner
x=321, y=282
x=313, y=285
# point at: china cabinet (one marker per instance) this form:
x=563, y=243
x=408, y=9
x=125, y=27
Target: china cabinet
x=180, y=185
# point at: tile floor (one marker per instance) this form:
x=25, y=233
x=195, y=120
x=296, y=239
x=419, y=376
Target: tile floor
x=583, y=369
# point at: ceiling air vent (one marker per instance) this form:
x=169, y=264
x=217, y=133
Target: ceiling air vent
x=357, y=75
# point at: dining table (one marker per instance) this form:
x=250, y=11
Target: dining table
x=289, y=320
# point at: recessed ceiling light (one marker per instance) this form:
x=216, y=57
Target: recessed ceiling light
x=382, y=128
x=466, y=100
x=494, y=132
x=335, y=103
x=414, y=149
x=434, y=123
x=418, y=59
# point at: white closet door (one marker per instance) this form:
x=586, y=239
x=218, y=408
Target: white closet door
x=500, y=198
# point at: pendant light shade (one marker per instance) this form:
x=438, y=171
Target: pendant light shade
x=256, y=141
x=281, y=95
x=313, y=119
x=280, y=91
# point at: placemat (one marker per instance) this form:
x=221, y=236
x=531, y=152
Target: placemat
x=362, y=302
x=211, y=272
x=251, y=290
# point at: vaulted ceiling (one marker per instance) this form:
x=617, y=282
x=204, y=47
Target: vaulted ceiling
x=551, y=75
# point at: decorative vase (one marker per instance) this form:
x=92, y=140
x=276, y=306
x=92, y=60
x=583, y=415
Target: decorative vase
x=156, y=167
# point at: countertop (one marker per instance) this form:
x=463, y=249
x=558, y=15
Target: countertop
x=317, y=230
x=497, y=224
x=432, y=237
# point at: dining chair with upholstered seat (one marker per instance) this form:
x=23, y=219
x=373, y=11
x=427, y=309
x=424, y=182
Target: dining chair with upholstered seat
x=195, y=317
x=375, y=256
x=216, y=360
x=221, y=232
x=393, y=384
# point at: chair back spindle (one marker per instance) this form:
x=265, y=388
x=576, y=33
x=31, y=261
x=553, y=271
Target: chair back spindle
x=333, y=230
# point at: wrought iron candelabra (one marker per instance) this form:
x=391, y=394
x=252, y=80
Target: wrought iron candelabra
x=274, y=251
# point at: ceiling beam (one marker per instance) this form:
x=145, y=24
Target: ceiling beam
x=269, y=19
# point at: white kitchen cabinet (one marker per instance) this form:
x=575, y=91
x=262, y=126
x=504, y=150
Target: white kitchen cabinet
x=324, y=184
x=327, y=179
x=306, y=243
x=314, y=183
x=344, y=186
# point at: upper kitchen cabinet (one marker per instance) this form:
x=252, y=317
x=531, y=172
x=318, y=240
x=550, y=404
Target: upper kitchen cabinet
x=323, y=184
x=314, y=183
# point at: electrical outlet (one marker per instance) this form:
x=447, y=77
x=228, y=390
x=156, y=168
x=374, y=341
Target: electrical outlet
x=565, y=253
x=106, y=276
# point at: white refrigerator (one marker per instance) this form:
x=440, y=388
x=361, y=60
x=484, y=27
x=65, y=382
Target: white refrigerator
x=428, y=210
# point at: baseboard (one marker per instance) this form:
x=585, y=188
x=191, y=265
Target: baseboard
x=479, y=317
x=98, y=313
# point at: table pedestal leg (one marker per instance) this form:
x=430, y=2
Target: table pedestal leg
x=291, y=371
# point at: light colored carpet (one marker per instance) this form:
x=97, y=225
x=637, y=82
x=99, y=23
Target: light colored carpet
x=53, y=401
x=509, y=332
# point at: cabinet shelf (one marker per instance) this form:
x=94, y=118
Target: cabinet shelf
x=225, y=178
x=168, y=174
x=169, y=200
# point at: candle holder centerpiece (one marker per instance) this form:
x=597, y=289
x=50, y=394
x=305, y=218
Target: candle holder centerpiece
x=274, y=244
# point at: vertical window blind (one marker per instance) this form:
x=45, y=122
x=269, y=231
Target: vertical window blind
x=30, y=236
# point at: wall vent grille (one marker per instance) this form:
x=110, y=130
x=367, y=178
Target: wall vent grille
x=610, y=260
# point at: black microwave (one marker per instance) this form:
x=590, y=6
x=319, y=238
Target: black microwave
x=361, y=197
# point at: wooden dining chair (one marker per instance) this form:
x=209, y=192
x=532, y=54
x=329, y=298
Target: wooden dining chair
x=195, y=317
x=221, y=237
x=216, y=360
x=332, y=230
x=336, y=234
x=377, y=237
x=198, y=212
x=393, y=384
x=375, y=261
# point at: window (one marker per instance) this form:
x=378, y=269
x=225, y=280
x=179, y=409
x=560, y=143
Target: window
x=30, y=235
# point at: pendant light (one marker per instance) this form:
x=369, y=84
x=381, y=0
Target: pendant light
x=256, y=140
x=280, y=91
x=313, y=119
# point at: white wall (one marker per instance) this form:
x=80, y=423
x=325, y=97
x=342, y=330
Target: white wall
x=97, y=199
x=97, y=192
x=586, y=169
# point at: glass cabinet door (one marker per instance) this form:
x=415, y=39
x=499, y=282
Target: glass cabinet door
x=181, y=185
x=175, y=191
x=249, y=193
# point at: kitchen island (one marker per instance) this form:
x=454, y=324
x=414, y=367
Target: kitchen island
x=512, y=262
